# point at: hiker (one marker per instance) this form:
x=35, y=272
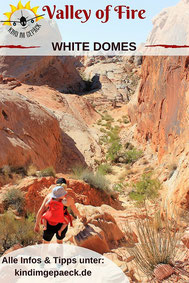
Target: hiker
x=54, y=215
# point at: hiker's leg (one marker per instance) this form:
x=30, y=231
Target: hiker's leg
x=61, y=229
x=59, y=241
x=62, y=236
x=48, y=234
x=64, y=225
x=46, y=242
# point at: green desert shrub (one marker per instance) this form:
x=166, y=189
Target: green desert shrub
x=113, y=134
x=132, y=155
x=146, y=188
x=25, y=230
x=113, y=151
x=16, y=231
x=113, y=140
x=77, y=171
x=95, y=180
x=125, y=119
x=105, y=169
x=49, y=171
x=14, y=198
x=11, y=175
x=118, y=188
x=107, y=118
x=117, y=155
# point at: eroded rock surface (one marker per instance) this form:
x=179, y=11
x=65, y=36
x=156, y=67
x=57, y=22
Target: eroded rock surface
x=100, y=234
x=161, y=114
x=57, y=72
x=30, y=134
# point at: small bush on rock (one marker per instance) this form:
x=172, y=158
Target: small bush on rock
x=113, y=151
x=14, y=198
x=49, y=171
x=6, y=170
x=119, y=188
x=95, y=180
x=105, y=169
x=77, y=171
x=32, y=170
x=127, y=157
x=16, y=231
x=146, y=188
x=132, y=155
x=107, y=118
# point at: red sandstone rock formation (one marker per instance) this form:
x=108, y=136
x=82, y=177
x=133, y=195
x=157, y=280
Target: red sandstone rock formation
x=162, y=103
x=30, y=134
x=48, y=81
x=84, y=194
x=101, y=234
x=161, y=114
x=75, y=115
x=10, y=82
x=37, y=188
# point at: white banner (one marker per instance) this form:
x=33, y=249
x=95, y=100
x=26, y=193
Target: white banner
x=58, y=263
x=101, y=27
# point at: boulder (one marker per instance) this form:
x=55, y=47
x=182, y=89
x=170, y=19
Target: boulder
x=163, y=271
x=101, y=234
x=92, y=238
x=31, y=135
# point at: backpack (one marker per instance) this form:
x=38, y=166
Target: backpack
x=57, y=213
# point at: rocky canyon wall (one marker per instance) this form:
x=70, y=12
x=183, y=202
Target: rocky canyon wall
x=162, y=116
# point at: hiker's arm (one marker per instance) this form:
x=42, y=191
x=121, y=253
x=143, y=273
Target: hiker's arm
x=71, y=203
x=40, y=213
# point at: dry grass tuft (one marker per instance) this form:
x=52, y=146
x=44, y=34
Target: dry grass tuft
x=32, y=170
x=158, y=241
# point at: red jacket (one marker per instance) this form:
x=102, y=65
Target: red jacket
x=57, y=213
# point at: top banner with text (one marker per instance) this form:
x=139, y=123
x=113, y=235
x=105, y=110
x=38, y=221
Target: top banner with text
x=101, y=27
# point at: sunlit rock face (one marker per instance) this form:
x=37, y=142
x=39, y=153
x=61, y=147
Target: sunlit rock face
x=161, y=114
